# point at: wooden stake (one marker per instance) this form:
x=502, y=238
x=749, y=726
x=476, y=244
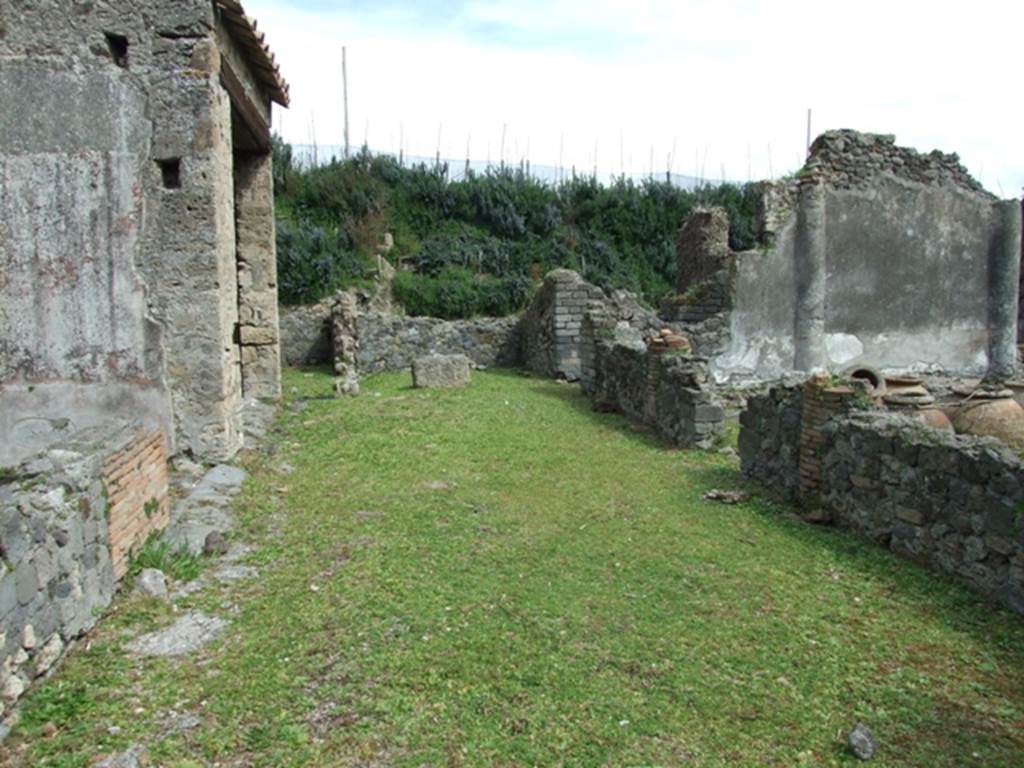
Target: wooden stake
x=808, y=153
x=344, y=87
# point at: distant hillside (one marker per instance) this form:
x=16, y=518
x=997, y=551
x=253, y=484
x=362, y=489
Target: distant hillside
x=479, y=245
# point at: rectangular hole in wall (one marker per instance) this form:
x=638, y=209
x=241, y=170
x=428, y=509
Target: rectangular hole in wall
x=118, y=45
x=170, y=172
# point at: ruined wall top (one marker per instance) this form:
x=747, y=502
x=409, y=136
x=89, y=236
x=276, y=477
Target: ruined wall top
x=702, y=247
x=849, y=159
x=78, y=39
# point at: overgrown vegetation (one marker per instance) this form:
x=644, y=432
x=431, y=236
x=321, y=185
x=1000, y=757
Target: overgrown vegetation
x=480, y=244
x=499, y=576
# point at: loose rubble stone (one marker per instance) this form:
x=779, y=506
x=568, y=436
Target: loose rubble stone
x=727, y=497
x=441, y=371
x=215, y=544
x=151, y=583
x=173, y=722
x=184, y=465
x=187, y=635
x=861, y=742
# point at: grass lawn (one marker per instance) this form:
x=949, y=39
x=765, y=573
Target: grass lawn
x=500, y=577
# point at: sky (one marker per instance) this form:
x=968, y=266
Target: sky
x=707, y=88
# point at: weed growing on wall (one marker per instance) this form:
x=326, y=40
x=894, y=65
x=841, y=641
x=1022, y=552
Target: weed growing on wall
x=503, y=227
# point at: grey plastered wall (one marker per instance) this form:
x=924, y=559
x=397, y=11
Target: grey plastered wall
x=908, y=276
x=918, y=274
x=762, y=321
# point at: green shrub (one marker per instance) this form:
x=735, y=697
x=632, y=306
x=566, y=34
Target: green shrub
x=456, y=293
x=314, y=261
x=501, y=223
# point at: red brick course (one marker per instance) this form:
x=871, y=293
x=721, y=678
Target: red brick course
x=135, y=478
x=820, y=403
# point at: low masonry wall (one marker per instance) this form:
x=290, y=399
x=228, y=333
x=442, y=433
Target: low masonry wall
x=769, y=440
x=620, y=376
x=952, y=502
x=68, y=520
x=390, y=342
x=665, y=391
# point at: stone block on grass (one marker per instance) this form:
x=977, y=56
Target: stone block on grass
x=440, y=371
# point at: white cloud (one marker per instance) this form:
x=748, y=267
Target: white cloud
x=721, y=81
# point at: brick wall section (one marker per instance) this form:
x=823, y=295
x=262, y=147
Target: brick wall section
x=820, y=403
x=552, y=326
x=135, y=477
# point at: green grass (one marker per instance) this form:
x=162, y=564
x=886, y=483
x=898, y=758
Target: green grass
x=497, y=576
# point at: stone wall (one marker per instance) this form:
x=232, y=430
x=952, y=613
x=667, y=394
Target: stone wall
x=306, y=334
x=256, y=256
x=669, y=392
x=705, y=271
x=686, y=410
x=769, y=440
x=852, y=160
x=1020, y=306
x=949, y=501
x=621, y=374
x=551, y=325
x=705, y=288
x=135, y=479
x=558, y=327
x=821, y=403
x=390, y=342
x=60, y=514
x=125, y=285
